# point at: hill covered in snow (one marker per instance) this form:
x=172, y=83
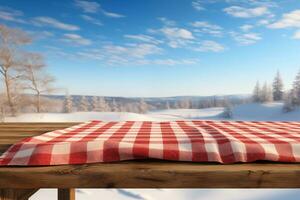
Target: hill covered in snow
x=248, y=112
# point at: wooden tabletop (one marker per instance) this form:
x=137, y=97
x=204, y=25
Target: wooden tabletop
x=138, y=174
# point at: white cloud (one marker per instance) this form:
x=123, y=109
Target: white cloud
x=168, y=62
x=206, y=27
x=266, y=3
x=166, y=21
x=48, y=21
x=263, y=22
x=111, y=14
x=245, y=38
x=246, y=27
x=11, y=15
x=198, y=5
x=177, y=33
x=242, y=12
x=92, y=20
x=94, y=7
x=143, y=38
x=177, y=37
x=88, y=6
x=133, y=50
x=209, y=46
x=133, y=55
x=297, y=35
x=288, y=20
x=76, y=39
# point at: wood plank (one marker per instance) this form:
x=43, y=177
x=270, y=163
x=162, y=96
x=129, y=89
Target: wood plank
x=153, y=174
x=16, y=194
x=66, y=194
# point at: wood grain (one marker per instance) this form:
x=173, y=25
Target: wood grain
x=153, y=174
x=16, y=194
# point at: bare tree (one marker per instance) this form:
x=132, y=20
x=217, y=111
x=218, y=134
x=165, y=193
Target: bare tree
x=185, y=103
x=114, y=106
x=84, y=104
x=228, y=114
x=36, y=79
x=10, y=42
x=102, y=104
x=68, y=104
x=167, y=105
x=2, y=108
x=143, y=106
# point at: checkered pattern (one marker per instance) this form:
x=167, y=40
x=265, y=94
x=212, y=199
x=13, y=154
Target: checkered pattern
x=197, y=141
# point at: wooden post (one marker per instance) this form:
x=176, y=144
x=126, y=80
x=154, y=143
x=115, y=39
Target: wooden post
x=66, y=194
x=16, y=194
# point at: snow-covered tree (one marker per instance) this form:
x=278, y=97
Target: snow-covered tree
x=278, y=88
x=167, y=105
x=114, y=106
x=2, y=108
x=143, y=106
x=68, y=104
x=84, y=104
x=289, y=104
x=185, y=103
x=95, y=104
x=227, y=111
x=35, y=79
x=266, y=93
x=257, y=93
x=11, y=42
x=102, y=106
x=296, y=90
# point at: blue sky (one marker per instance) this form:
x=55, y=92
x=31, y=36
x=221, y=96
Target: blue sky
x=161, y=47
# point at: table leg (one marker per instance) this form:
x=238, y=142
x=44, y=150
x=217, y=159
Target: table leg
x=66, y=194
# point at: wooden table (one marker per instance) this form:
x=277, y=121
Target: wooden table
x=22, y=182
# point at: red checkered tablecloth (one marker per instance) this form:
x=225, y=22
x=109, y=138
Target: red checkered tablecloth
x=197, y=141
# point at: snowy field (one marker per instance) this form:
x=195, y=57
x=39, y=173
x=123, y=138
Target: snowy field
x=249, y=112
x=260, y=112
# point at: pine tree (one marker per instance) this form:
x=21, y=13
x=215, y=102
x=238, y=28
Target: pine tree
x=257, y=93
x=68, y=104
x=266, y=94
x=83, y=104
x=288, y=102
x=296, y=90
x=277, y=87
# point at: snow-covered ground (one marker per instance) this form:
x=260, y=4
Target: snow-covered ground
x=253, y=112
x=250, y=112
